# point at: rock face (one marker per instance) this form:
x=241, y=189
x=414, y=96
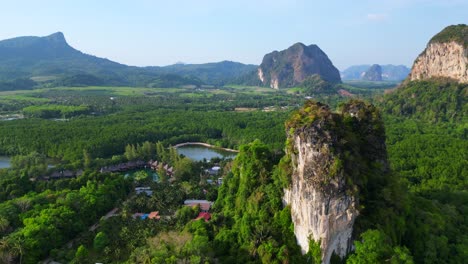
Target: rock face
x=374, y=73
x=323, y=199
x=290, y=67
x=445, y=56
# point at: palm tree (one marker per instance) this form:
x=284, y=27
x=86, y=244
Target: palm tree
x=9, y=250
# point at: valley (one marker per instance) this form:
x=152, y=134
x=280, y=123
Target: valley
x=293, y=165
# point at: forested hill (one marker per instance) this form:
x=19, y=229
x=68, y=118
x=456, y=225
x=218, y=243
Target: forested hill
x=52, y=60
x=436, y=100
x=426, y=124
x=217, y=73
x=49, y=55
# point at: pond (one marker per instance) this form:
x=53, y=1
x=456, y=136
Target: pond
x=4, y=162
x=198, y=152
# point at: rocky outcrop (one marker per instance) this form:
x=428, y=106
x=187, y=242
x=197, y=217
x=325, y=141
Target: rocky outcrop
x=374, y=73
x=323, y=192
x=446, y=56
x=448, y=60
x=292, y=66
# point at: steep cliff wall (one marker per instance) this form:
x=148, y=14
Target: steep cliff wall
x=442, y=60
x=292, y=66
x=330, y=153
x=446, y=55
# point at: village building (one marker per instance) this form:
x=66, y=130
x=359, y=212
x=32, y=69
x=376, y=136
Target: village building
x=154, y=215
x=205, y=205
x=146, y=190
x=203, y=215
x=213, y=171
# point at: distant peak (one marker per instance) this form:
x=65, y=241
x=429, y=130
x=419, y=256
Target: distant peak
x=299, y=44
x=56, y=37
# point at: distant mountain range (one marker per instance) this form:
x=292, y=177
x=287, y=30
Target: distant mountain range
x=50, y=61
x=50, y=58
x=389, y=72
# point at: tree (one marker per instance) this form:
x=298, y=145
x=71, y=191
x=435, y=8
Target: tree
x=147, y=150
x=183, y=169
x=315, y=252
x=100, y=241
x=376, y=248
x=81, y=255
x=87, y=159
x=130, y=152
x=162, y=173
x=173, y=155
x=141, y=175
x=4, y=224
x=33, y=164
x=161, y=152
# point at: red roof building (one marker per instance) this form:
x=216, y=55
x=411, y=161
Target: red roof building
x=204, y=215
x=154, y=215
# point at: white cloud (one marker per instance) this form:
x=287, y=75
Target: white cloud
x=377, y=17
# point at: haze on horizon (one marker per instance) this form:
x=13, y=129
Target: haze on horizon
x=157, y=33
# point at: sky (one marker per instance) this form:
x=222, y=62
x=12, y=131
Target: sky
x=158, y=33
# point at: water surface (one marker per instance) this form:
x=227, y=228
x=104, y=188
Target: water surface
x=198, y=153
x=5, y=162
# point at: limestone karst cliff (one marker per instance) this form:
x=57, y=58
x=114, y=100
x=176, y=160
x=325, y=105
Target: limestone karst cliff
x=446, y=55
x=292, y=66
x=333, y=156
x=374, y=73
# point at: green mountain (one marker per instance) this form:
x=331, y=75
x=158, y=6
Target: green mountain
x=50, y=55
x=217, y=73
x=50, y=59
x=430, y=100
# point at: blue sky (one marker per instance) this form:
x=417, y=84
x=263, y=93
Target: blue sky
x=144, y=32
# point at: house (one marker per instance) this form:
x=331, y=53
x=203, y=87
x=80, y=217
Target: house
x=137, y=215
x=144, y=216
x=204, y=215
x=154, y=215
x=56, y=175
x=170, y=171
x=146, y=190
x=154, y=165
x=68, y=174
x=204, y=204
x=214, y=170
